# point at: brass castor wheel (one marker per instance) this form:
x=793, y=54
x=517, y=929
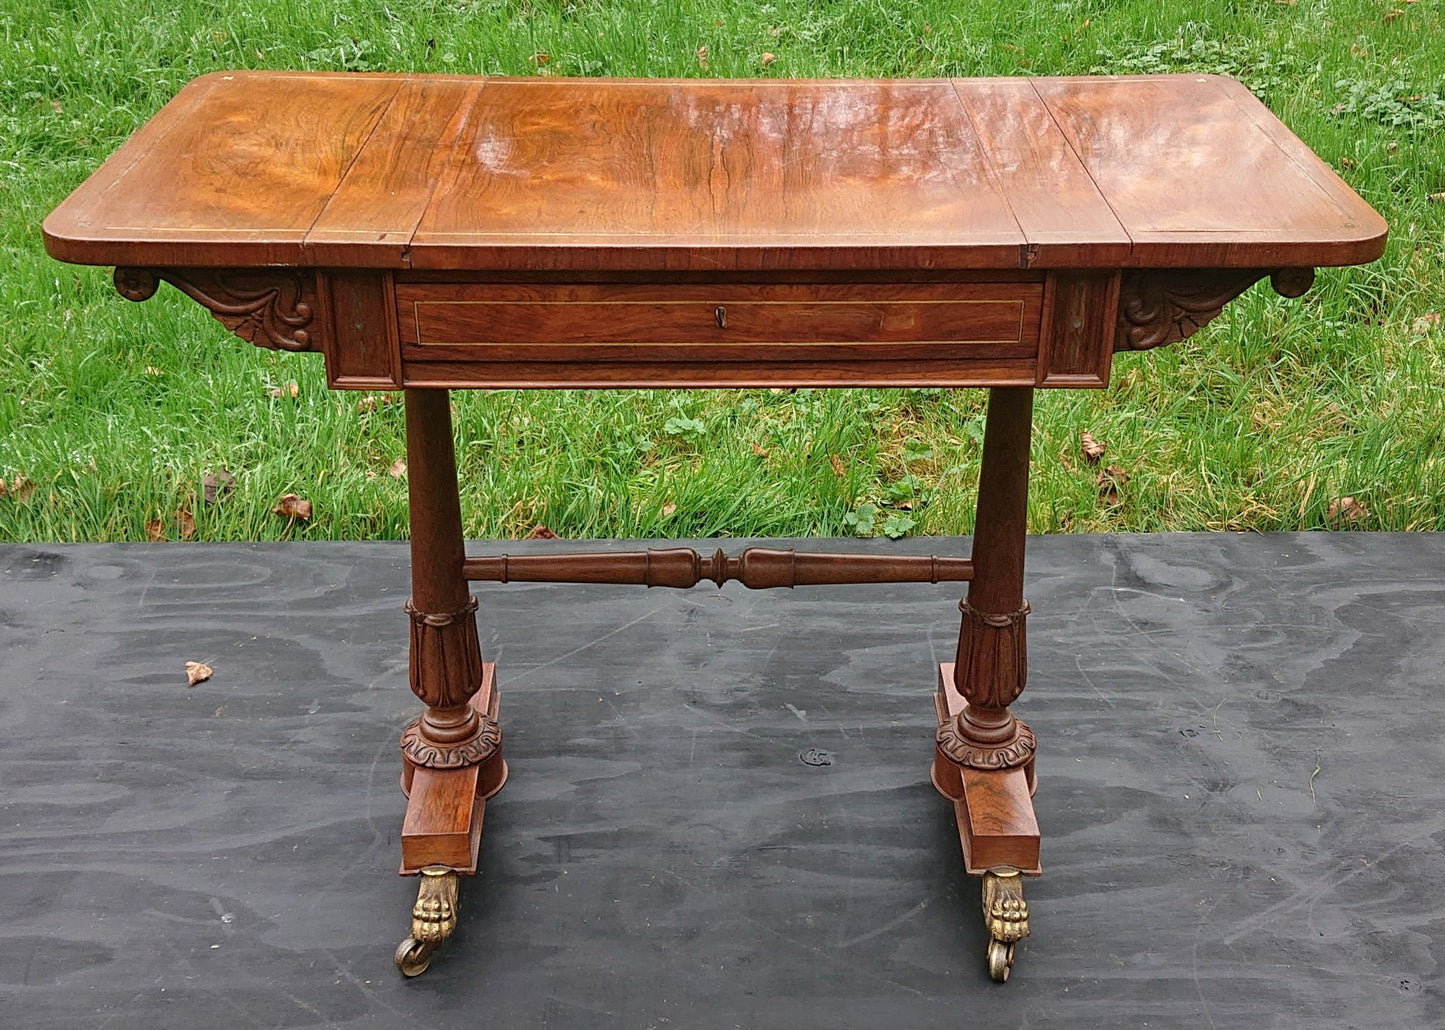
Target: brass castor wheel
x=1005, y=916
x=413, y=957
x=1000, y=960
x=433, y=919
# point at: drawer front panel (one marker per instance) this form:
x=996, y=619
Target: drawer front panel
x=726, y=334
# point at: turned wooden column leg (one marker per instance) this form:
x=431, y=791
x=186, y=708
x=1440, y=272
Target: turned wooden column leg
x=984, y=756
x=452, y=753
x=446, y=658
x=991, y=666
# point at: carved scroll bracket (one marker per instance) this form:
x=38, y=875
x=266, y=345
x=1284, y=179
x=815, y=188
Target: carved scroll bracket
x=1159, y=307
x=269, y=307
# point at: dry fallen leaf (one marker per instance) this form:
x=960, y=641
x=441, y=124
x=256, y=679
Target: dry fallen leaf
x=541, y=533
x=1092, y=449
x=291, y=390
x=1425, y=323
x=21, y=488
x=1392, y=15
x=293, y=507
x=1347, y=162
x=668, y=509
x=187, y=522
x=1345, y=509
x=155, y=530
x=840, y=467
x=768, y=58
x=540, y=58
x=1438, y=198
x=197, y=672
x=761, y=452
x=398, y=468
x=373, y=401
x=702, y=57
x=216, y=485
x=1109, y=481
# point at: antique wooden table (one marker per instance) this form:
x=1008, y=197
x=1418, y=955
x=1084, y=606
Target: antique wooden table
x=426, y=233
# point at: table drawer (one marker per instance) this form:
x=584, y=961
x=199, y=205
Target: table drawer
x=486, y=334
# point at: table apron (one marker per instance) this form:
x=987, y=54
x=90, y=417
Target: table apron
x=1049, y=330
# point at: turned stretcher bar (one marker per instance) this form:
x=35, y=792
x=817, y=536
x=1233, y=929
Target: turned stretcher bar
x=758, y=568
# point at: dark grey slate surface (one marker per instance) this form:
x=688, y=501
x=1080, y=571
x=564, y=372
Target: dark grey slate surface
x=225, y=856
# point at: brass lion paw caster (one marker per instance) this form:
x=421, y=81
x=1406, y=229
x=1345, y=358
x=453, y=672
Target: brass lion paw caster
x=433, y=919
x=1005, y=916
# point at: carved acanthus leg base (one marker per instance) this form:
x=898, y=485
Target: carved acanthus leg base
x=446, y=673
x=418, y=750
x=990, y=672
x=1005, y=917
x=989, y=675
x=433, y=920
x=1016, y=751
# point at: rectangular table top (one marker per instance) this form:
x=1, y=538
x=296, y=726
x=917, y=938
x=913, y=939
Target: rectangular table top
x=455, y=173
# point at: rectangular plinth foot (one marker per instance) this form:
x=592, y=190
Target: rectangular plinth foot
x=443, y=824
x=996, y=824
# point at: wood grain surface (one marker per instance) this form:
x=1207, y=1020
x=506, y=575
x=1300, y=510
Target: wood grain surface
x=694, y=163
x=373, y=214
x=599, y=175
x=715, y=334
x=1200, y=173
x=241, y=176
x=1060, y=211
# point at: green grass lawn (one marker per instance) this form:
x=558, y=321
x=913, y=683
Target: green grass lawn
x=112, y=413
